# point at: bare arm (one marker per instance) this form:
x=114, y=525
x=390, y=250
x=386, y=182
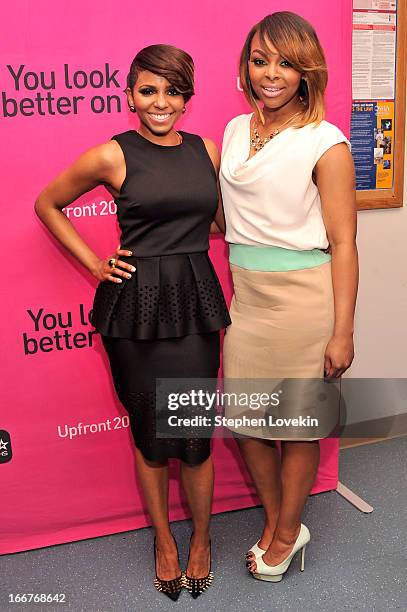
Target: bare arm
x=218, y=224
x=335, y=177
x=101, y=165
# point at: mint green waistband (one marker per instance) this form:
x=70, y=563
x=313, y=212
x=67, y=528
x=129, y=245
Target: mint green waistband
x=275, y=259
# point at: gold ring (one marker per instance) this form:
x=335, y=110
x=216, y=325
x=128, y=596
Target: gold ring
x=112, y=262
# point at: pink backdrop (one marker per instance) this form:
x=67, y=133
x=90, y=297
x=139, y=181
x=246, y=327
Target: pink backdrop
x=58, y=486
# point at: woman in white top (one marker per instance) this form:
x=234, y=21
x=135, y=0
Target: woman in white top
x=287, y=182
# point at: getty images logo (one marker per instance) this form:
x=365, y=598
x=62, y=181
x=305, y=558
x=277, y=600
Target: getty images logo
x=5, y=446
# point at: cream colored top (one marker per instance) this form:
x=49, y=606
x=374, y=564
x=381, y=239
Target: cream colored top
x=270, y=199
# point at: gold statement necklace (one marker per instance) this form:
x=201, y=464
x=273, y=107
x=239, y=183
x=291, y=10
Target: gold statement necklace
x=257, y=142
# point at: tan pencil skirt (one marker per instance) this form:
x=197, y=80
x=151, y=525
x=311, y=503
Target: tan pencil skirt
x=281, y=324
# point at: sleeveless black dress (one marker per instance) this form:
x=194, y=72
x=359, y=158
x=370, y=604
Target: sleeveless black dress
x=164, y=322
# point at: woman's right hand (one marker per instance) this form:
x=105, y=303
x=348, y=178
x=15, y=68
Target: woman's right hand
x=104, y=271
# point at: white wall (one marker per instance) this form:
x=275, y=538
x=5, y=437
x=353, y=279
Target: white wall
x=381, y=315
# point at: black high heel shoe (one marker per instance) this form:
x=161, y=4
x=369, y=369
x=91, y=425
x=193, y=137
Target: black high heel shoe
x=171, y=588
x=196, y=586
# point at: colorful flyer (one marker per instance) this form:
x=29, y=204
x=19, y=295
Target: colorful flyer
x=372, y=139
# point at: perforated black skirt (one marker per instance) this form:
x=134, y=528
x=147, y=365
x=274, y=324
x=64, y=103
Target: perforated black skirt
x=135, y=366
x=168, y=296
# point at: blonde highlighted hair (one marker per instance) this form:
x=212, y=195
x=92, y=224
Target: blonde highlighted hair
x=297, y=42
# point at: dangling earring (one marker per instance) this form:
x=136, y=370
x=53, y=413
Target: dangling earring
x=304, y=85
x=132, y=109
x=184, y=109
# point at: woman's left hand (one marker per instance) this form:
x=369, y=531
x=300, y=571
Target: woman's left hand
x=339, y=355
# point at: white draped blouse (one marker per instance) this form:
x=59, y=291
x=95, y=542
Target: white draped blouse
x=271, y=199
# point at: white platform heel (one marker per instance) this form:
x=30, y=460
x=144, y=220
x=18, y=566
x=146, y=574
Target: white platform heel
x=274, y=573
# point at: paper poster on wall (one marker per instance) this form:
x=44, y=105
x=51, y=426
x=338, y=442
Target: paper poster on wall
x=376, y=5
x=374, y=55
x=372, y=139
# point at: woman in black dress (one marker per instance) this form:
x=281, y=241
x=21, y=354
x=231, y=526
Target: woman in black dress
x=159, y=306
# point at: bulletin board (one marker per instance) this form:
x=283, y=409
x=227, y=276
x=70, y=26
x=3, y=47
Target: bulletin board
x=379, y=101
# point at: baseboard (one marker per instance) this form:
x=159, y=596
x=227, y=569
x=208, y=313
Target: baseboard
x=349, y=442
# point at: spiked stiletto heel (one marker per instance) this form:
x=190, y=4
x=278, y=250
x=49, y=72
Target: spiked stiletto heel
x=171, y=588
x=196, y=586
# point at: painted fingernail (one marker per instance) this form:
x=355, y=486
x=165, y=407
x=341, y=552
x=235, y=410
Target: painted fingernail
x=133, y=269
x=129, y=252
x=128, y=275
x=119, y=280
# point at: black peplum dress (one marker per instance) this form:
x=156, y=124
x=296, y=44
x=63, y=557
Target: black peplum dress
x=164, y=322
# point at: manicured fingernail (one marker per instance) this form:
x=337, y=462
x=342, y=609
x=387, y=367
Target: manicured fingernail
x=129, y=252
x=128, y=275
x=119, y=280
x=133, y=269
